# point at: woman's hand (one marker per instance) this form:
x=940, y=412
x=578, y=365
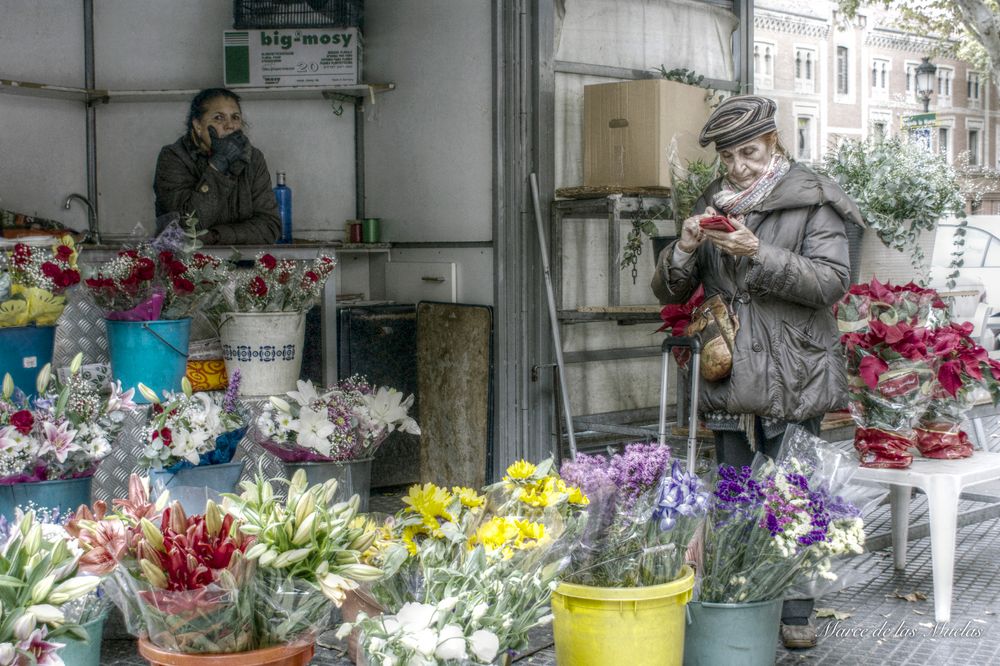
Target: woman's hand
x=739, y=243
x=692, y=235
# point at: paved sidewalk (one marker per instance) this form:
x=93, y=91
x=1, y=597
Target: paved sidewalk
x=881, y=627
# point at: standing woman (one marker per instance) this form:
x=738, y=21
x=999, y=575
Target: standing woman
x=782, y=269
x=214, y=172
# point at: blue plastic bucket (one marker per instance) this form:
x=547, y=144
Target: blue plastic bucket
x=64, y=494
x=192, y=486
x=151, y=352
x=26, y=349
x=79, y=653
x=745, y=634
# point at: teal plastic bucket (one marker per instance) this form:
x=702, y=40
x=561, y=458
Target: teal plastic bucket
x=192, y=486
x=151, y=352
x=79, y=653
x=64, y=494
x=744, y=634
x=26, y=350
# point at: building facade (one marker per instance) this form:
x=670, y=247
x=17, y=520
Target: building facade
x=835, y=79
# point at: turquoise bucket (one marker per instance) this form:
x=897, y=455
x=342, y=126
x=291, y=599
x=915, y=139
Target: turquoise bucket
x=193, y=486
x=63, y=494
x=151, y=352
x=78, y=653
x=745, y=634
x=26, y=349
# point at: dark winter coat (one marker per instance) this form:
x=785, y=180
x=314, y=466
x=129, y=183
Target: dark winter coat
x=787, y=361
x=239, y=207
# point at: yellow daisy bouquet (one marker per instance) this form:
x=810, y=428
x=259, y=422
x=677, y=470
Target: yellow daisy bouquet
x=472, y=561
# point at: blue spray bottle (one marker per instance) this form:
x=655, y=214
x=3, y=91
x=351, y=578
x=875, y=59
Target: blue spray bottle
x=283, y=194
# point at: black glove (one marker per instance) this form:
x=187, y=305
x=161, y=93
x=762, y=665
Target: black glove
x=228, y=150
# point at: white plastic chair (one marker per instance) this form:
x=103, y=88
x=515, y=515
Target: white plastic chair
x=943, y=482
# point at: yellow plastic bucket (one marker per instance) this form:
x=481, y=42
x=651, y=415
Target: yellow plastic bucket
x=638, y=626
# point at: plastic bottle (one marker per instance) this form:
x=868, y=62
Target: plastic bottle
x=283, y=194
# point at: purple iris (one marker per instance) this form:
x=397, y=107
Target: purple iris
x=681, y=494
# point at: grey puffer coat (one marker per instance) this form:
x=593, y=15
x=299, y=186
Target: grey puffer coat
x=787, y=361
x=239, y=207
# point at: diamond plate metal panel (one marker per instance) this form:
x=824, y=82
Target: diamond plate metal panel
x=81, y=329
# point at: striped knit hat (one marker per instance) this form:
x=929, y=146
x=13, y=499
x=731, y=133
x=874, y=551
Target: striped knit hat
x=737, y=120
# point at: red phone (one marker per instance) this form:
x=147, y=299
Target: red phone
x=717, y=223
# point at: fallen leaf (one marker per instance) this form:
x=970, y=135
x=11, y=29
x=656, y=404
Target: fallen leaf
x=919, y=612
x=929, y=625
x=832, y=612
x=912, y=596
x=979, y=621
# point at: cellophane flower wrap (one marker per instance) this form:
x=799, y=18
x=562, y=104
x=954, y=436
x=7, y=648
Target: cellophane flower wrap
x=43, y=586
x=890, y=373
x=62, y=433
x=308, y=552
x=186, y=428
x=33, y=281
x=644, y=511
x=346, y=422
x=778, y=524
x=468, y=573
x=964, y=372
x=182, y=581
x=160, y=280
x=279, y=285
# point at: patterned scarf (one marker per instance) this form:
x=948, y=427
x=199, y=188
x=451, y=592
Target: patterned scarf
x=733, y=201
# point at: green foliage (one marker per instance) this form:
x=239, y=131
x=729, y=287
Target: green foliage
x=689, y=77
x=901, y=188
x=688, y=184
x=958, y=26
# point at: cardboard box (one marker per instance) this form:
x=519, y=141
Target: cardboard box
x=292, y=57
x=628, y=127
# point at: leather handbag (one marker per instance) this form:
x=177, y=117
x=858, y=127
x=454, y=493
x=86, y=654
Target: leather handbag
x=715, y=323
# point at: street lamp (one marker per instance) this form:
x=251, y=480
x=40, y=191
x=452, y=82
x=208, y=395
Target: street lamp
x=925, y=81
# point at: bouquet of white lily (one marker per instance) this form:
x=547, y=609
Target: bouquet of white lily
x=347, y=422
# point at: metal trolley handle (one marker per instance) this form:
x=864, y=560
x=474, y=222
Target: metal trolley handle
x=694, y=367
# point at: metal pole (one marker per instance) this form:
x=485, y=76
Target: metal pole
x=693, y=413
x=553, y=319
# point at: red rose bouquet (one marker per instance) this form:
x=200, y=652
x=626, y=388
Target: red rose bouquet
x=33, y=280
x=144, y=284
x=280, y=285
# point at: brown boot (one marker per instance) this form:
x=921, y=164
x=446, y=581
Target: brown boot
x=799, y=636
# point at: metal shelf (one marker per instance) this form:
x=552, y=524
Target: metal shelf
x=96, y=95
x=616, y=208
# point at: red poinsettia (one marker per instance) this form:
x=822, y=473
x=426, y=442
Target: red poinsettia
x=961, y=363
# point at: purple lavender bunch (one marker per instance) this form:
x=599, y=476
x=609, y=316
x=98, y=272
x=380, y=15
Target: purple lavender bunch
x=588, y=472
x=638, y=469
x=232, y=392
x=682, y=494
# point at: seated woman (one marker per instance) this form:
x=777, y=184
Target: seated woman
x=213, y=172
